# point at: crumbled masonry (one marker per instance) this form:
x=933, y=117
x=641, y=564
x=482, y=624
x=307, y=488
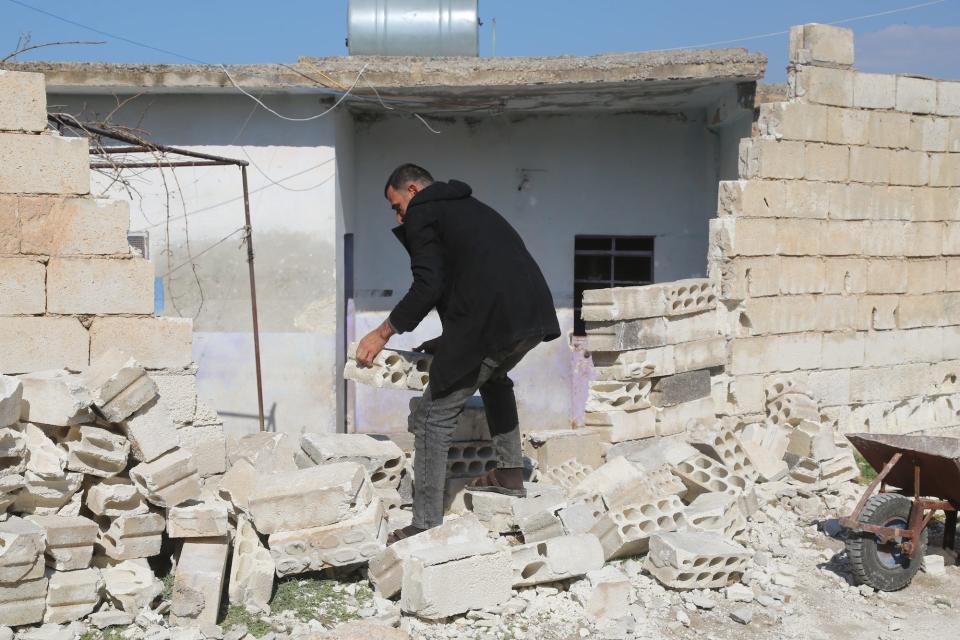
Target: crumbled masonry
x=713, y=428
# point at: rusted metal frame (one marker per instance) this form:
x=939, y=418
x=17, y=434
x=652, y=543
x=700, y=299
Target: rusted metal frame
x=248, y=236
x=162, y=164
x=69, y=121
x=118, y=149
x=852, y=521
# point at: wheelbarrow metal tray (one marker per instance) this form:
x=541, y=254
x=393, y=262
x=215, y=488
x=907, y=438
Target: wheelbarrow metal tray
x=938, y=457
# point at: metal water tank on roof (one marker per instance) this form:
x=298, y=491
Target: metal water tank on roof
x=413, y=28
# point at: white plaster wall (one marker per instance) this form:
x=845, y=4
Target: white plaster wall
x=622, y=174
x=293, y=196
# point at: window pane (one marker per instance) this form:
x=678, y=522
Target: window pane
x=595, y=268
x=586, y=243
x=632, y=268
x=633, y=244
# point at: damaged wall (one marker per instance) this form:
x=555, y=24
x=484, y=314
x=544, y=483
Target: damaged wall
x=835, y=254
x=293, y=197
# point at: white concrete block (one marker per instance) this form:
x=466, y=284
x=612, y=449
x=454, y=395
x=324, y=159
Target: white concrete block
x=252, y=569
x=37, y=344
x=23, y=101
x=821, y=44
x=695, y=560
x=168, y=480
x=118, y=385
x=157, y=343
x=11, y=395
x=95, y=451
x=77, y=286
x=452, y=579
x=22, y=287
x=352, y=541
x=207, y=444
x=382, y=459
x=198, y=584
x=132, y=536
x=626, y=531
x=151, y=432
x=70, y=540
x=23, y=602
x=874, y=91
x=559, y=558
x=311, y=497
x=21, y=554
x=822, y=85
x=74, y=226
x=43, y=164
x=387, y=569
x=54, y=397
x=71, y=595
x=130, y=585
x=916, y=95
x=198, y=519
x=113, y=497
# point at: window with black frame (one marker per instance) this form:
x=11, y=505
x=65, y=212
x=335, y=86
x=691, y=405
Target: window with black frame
x=602, y=262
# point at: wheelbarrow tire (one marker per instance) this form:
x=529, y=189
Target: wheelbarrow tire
x=866, y=555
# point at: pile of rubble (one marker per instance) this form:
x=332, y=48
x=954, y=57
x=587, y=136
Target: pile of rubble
x=96, y=476
x=654, y=476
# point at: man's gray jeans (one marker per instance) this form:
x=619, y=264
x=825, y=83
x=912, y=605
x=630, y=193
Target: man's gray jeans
x=433, y=421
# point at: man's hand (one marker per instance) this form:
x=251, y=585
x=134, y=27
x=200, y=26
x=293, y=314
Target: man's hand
x=373, y=343
x=430, y=346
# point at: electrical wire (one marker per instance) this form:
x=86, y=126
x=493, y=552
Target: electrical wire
x=283, y=117
x=210, y=248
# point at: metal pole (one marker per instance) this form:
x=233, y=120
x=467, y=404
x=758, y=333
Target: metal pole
x=253, y=294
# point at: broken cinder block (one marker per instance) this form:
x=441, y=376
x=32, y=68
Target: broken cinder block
x=95, y=451
x=54, y=397
x=114, y=497
x=195, y=519
x=70, y=540
x=168, y=480
x=386, y=570
x=198, y=583
x=448, y=580
x=22, y=543
x=553, y=448
x=626, y=531
x=555, y=559
x=131, y=585
x=151, y=432
x=23, y=602
x=118, y=385
x=391, y=368
x=252, y=569
x=311, y=497
x=11, y=394
x=71, y=595
x=344, y=543
x=695, y=560
x=128, y=537
x=382, y=459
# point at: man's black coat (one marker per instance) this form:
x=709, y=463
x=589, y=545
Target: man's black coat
x=470, y=264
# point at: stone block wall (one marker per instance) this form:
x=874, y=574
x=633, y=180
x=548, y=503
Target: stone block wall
x=70, y=288
x=835, y=256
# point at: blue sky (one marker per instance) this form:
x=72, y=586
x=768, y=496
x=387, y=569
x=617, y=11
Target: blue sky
x=923, y=40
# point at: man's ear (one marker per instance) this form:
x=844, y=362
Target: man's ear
x=413, y=189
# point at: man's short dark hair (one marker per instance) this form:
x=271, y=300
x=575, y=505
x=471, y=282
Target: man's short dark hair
x=405, y=174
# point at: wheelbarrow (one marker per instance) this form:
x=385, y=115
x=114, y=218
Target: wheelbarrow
x=887, y=531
